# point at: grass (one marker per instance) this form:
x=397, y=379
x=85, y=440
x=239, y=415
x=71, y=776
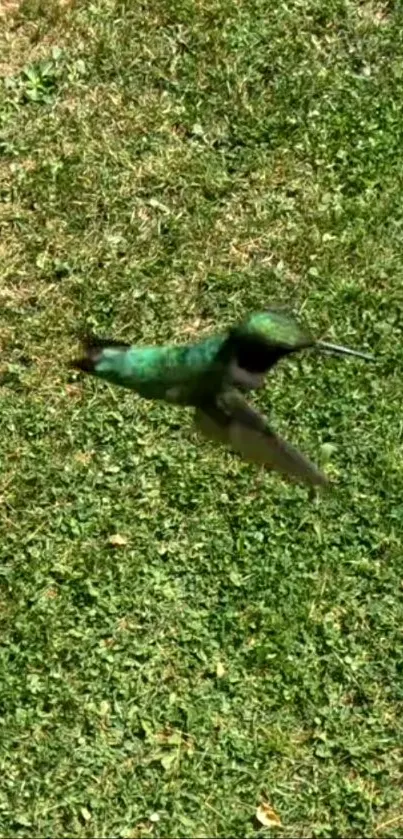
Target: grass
x=166, y=167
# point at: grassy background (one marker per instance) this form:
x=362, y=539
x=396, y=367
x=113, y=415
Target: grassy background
x=165, y=167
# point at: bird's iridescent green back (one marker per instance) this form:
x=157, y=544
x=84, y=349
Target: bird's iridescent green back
x=172, y=372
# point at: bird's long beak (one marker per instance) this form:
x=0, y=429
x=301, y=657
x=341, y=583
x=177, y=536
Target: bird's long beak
x=336, y=349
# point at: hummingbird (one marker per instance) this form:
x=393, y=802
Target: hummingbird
x=212, y=375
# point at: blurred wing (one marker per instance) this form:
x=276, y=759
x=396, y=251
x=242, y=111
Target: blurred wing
x=230, y=420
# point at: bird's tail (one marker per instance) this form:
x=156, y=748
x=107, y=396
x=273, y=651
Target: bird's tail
x=94, y=352
x=336, y=349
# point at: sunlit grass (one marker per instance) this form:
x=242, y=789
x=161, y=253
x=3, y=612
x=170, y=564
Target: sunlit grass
x=165, y=168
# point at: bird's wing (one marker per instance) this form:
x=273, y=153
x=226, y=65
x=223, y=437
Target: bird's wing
x=232, y=421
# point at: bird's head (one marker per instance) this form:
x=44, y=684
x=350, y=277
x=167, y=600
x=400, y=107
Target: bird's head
x=260, y=341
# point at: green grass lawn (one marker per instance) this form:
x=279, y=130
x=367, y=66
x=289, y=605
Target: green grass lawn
x=167, y=166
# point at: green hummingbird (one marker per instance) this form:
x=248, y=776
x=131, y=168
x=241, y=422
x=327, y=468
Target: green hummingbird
x=211, y=375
